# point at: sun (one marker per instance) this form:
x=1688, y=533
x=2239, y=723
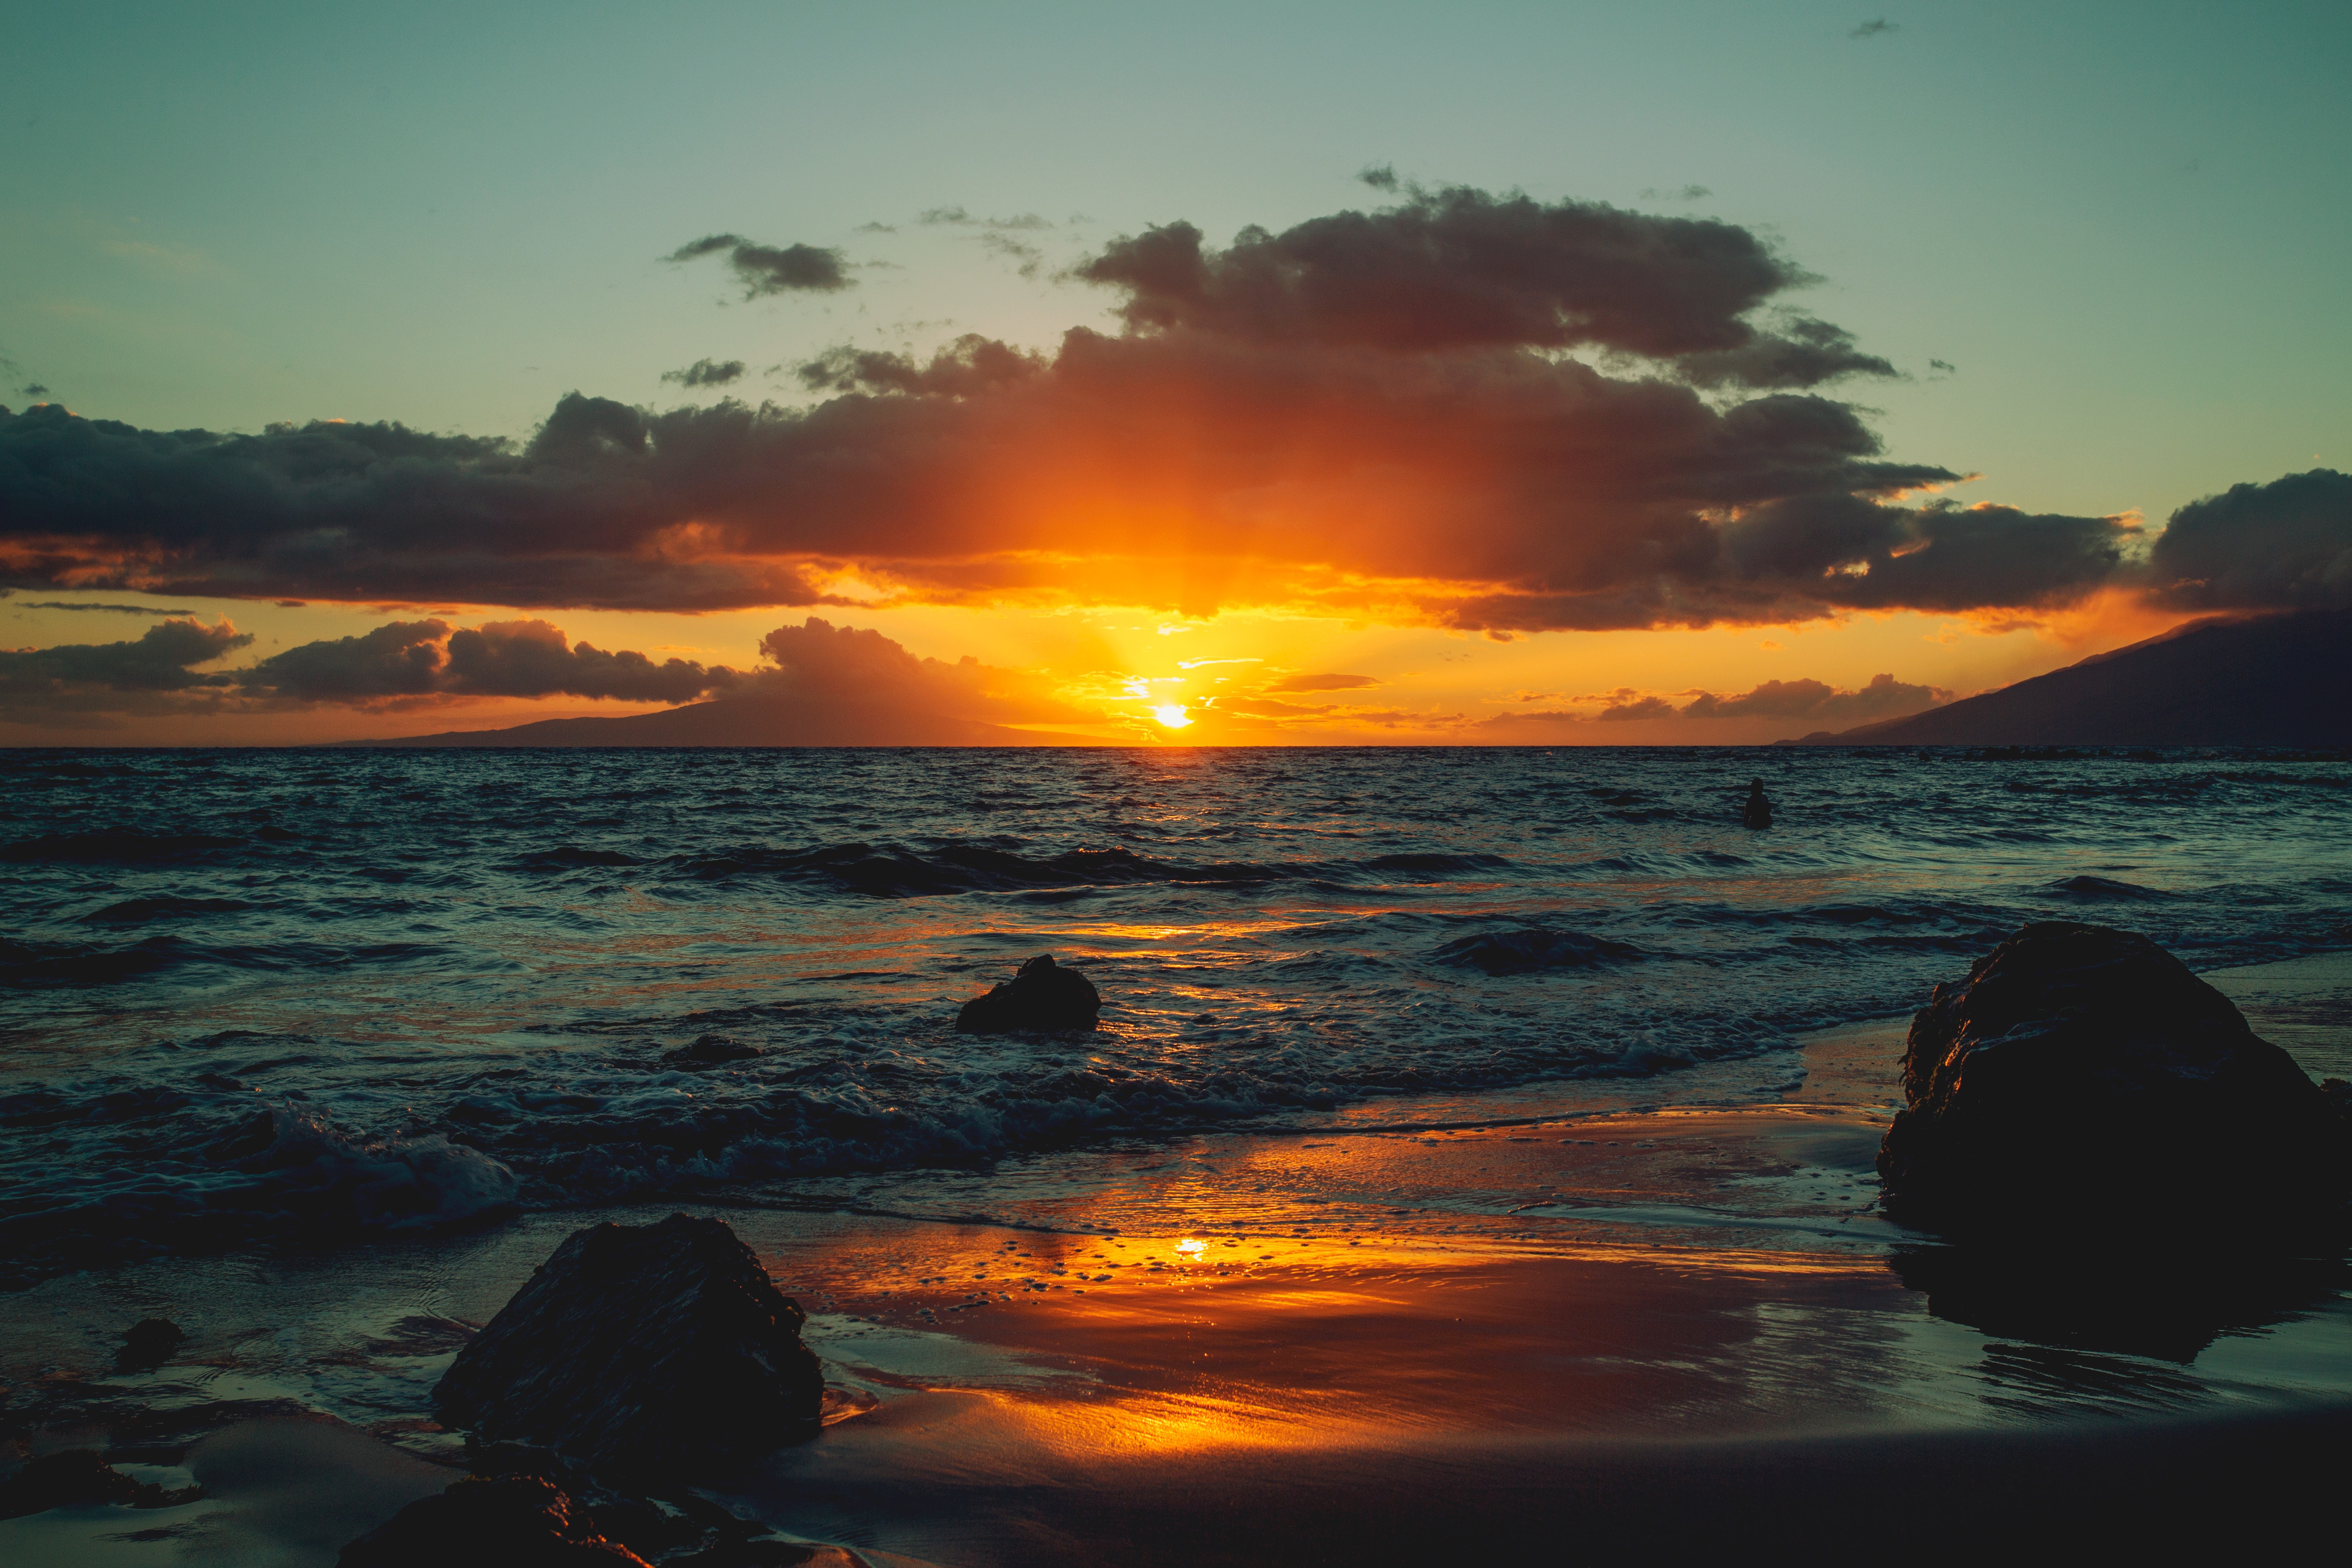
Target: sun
x=1172, y=714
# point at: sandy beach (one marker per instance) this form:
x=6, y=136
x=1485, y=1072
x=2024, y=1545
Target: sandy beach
x=1660, y=1328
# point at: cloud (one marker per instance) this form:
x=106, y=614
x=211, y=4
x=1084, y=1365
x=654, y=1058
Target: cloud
x=2287, y=545
x=765, y=269
x=107, y=609
x=828, y=685
x=969, y=366
x=706, y=372
x=151, y=674
x=1633, y=707
x=1943, y=365
x=1806, y=353
x=1883, y=698
x=958, y=218
x=498, y=658
x=1380, y=176
x=36, y=391
x=1878, y=26
x=1459, y=267
x=399, y=665
x=1322, y=683
x=1368, y=416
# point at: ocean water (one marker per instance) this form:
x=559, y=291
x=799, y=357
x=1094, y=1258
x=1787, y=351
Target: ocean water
x=253, y=996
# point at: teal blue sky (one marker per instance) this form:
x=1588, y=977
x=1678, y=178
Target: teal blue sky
x=2125, y=227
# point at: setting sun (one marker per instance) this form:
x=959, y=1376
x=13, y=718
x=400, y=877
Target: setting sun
x=1172, y=715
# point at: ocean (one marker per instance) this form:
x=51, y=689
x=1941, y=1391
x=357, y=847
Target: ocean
x=258, y=997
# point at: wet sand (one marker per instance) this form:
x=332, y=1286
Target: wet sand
x=1656, y=1328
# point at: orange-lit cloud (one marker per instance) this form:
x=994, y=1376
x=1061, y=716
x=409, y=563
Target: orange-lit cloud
x=1370, y=415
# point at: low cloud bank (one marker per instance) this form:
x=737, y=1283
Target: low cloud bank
x=1883, y=698
x=816, y=684
x=401, y=664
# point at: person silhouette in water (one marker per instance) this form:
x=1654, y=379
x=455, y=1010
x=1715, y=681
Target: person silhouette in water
x=1757, y=813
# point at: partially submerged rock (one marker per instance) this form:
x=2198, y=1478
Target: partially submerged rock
x=2082, y=1077
x=513, y=1522
x=149, y=1342
x=1044, y=995
x=1538, y=947
x=711, y=1051
x=642, y=1349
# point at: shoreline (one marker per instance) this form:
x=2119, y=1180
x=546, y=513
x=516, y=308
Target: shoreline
x=1639, y=1326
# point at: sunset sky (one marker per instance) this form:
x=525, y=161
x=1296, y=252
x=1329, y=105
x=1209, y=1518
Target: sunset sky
x=1701, y=373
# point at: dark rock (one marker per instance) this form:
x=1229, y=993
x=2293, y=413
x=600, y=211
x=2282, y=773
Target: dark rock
x=1043, y=996
x=1538, y=947
x=75, y=1476
x=507, y=1521
x=711, y=1051
x=149, y=1342
x=642, y=1349
x=2082, y=1070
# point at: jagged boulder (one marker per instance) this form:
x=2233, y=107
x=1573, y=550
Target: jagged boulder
x=1044, y=995
x=642, y=1349
x=2081, y=1078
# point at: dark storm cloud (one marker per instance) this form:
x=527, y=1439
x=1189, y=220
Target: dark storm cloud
x=1877, y=27
x=768, y=268
x=2284, y=545
x=1367, y=414
x=1455, y=268
x=706, y=372
x=529, y=659
x=399, y=659
x=160, y=661
x=152, y=674
x=104, y=609
x=36, y=391
x=1380, y=176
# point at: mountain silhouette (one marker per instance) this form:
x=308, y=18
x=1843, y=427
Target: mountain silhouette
x=2279, y=680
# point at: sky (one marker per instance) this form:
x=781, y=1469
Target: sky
x=1702, y=372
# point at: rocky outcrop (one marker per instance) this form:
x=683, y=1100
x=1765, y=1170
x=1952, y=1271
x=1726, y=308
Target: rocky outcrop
x=642, y=1349
x=2083, y=1078
x=1044, y=995
x=513, y=1522
x=80, y=1476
